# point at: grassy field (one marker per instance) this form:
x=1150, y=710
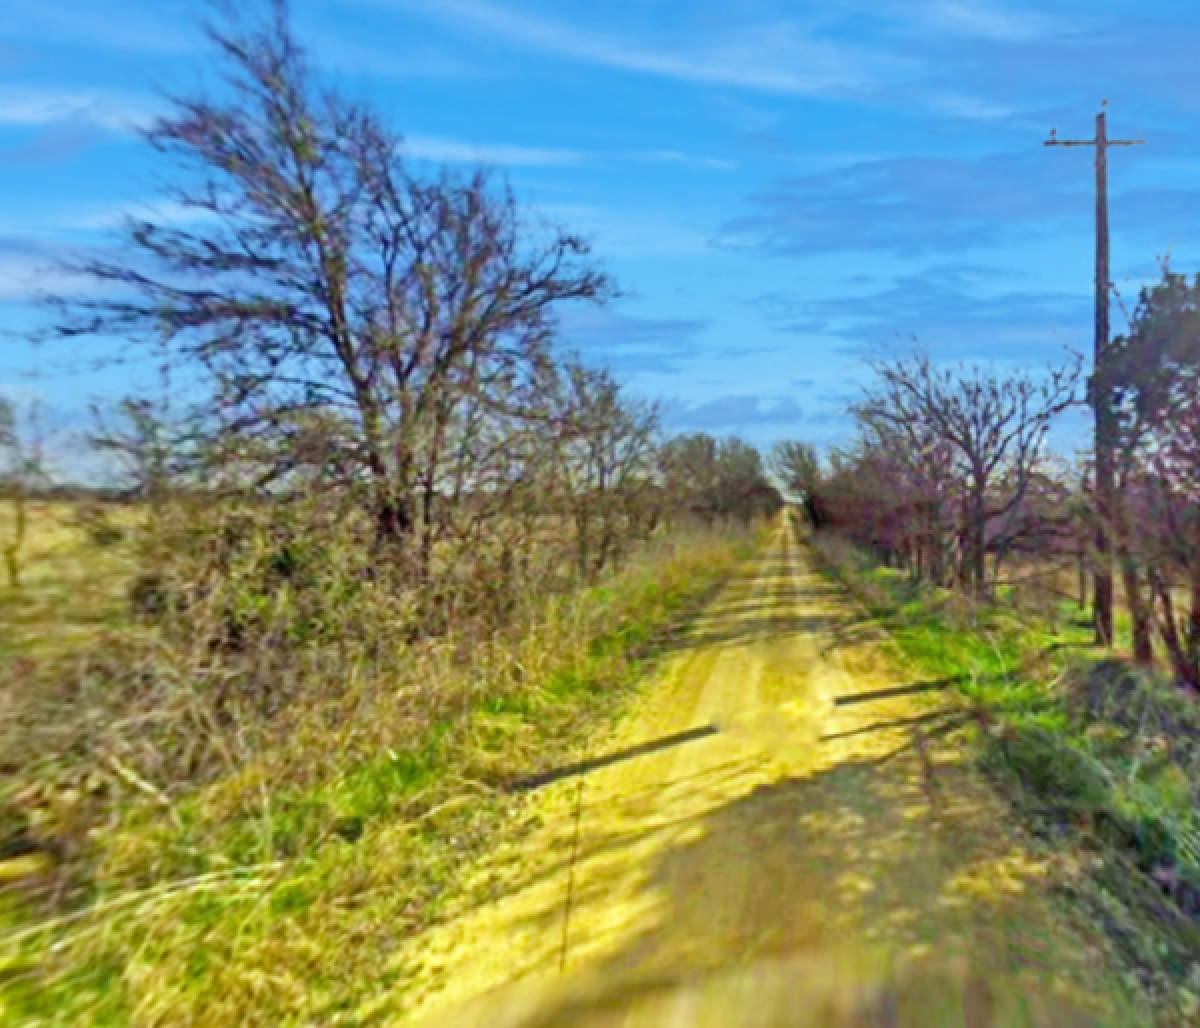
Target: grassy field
x=1100, y=759
x=277, y=891
x=75, y=568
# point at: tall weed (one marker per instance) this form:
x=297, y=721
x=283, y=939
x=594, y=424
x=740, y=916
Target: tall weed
x=233, y=810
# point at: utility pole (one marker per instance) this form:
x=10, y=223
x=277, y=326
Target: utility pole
x=1101, y=392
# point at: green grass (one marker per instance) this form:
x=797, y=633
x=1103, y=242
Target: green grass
x=1100, y=759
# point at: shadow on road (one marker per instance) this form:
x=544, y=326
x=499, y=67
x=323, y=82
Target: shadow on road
x=853, y=862
x=607, y=760
x=684, y=874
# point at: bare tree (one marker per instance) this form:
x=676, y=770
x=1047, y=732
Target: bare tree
x=798, y=466
x=608, y=460
x=718, y=479
x=919, y=464
x=993, y=425
x=866, y=498
x=1157, y=375
x=331, y=296
x=691, y=470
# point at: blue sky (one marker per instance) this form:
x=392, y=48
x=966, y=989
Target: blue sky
x=777, y=187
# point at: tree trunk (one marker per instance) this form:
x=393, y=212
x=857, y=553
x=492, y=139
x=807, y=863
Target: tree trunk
x=976, y=553
x=429, y=514
x=1192, y=650
x=937, y=556
x=1185, y=671
x=813, y=507
x=1140, y=615
x=606, y=550
x=393, y=519
x=583, y=543
x=1083, y=577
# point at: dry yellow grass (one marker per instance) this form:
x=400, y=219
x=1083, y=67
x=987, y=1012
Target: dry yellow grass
x=275, y=890
x=73, y=584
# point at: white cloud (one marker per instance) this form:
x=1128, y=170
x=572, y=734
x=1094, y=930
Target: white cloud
x=436, y=148
x=629, y=233
x=344, y=56
x=981, y=21
x=142, y=29
x=166, y=212
x=776, y=58
x=27, y=106
x=22, y=395
x=974, y=108
x=32, y=267
x=674, y=157
x=25, y=278
x=454, y=152
x=737, y=411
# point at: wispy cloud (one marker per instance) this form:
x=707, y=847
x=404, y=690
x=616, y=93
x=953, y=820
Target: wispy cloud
x=675, y=157
x=633, y=345
x=737, y=411
x=918, y=206
x=622, y=233
x=778, y=57
x=974, y=108
x=455, y=152
x=32, y=268
x=162, y=212
x=141, y=28
x=54, y=143
x=386, y=59
x=26, y=276
x=31, y=106
x=991, y=22
x=954, y=310
x=911, y=206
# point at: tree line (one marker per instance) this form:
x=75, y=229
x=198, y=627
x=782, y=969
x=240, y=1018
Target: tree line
x=382, y=340
x=949, y=473
x=343, y=327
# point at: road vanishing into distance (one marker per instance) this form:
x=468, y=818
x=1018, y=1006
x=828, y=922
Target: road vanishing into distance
x=821, y=858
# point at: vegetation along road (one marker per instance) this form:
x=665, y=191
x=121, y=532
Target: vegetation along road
x=817, y=842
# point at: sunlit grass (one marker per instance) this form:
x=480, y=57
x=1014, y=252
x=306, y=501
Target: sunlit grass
x=75, y=571
x=1101, y=759
x=279, y=894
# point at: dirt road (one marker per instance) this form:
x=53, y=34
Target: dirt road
x=808, y=842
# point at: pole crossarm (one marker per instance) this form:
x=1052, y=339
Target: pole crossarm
x=1093, y=142
x=1101, y=140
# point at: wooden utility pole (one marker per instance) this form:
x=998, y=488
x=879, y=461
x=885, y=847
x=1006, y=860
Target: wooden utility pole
x=1101, y=392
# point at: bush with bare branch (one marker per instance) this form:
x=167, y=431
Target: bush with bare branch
x=351, y=322
x=967, y=438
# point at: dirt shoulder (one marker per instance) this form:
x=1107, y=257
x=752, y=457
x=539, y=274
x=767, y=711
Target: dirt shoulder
x=820, y=827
